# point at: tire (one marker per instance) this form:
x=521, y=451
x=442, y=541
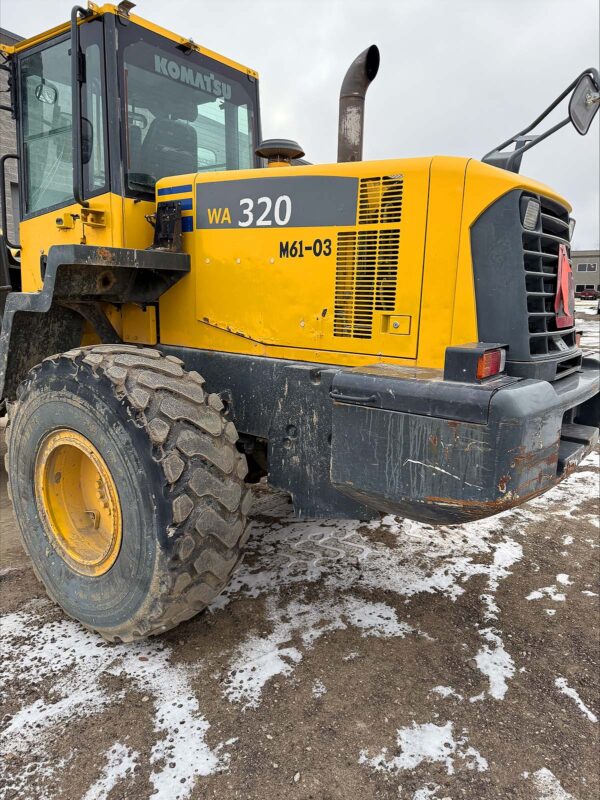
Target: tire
x=170, y=453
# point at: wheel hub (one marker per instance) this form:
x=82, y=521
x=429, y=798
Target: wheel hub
x=78, y=502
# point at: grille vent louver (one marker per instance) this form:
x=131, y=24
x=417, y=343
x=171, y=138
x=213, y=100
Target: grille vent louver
x=540, y=260
x=366, y=278
x=380, y=200
x=367, y=260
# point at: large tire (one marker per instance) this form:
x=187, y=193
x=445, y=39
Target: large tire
x=171, y=454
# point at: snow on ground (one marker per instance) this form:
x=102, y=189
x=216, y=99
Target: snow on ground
x=549, y=787
x=562, y=686
x=77, y=662
x=549, y=591
x=120, y=762
x=447, y=691
x=590, y=339
x=350, y=562
x=427, y=743
x=259, y=658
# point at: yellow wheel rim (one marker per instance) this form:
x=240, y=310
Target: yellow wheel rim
x=78, y=502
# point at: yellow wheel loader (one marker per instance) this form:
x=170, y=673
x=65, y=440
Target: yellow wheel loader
x=194, y=309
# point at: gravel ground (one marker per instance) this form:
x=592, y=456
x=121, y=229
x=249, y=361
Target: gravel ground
x=386, y=660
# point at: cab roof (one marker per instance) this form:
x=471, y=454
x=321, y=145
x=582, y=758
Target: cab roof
x=109, y=8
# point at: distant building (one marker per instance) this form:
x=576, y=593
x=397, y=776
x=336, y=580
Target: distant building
x=8, y=144
x=586, y=269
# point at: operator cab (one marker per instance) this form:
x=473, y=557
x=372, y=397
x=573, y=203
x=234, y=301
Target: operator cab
x=185, y=112
x=141, y=104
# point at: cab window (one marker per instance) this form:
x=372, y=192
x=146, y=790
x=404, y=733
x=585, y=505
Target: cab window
x=47, y=122
x=185, y=113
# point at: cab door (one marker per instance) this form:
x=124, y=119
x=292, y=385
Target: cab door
x=49, y=214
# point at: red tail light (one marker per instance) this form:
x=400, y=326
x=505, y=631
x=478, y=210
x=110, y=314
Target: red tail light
x=491, y=363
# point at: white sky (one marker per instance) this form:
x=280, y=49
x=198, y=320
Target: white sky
x=456, y=78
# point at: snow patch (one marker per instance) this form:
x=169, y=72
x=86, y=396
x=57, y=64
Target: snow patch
x=319, y=689
x=120, y=763
x=76, y=662
x=429, y=791
x=563, y=687
x=548, y=786
x=446, y=691
x=547, y=591
x=428, y=743
x=260, y=658
x=563, y=579
x=495, y=663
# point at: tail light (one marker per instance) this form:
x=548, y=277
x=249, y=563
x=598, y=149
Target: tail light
x=472, y=363
x=491, y=363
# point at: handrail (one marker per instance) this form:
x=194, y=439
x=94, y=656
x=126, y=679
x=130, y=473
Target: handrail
x=3, y=220
x=76, y=81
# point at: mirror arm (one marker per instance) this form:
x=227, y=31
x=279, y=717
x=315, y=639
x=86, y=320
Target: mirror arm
x=538, y=138
x=76, y=81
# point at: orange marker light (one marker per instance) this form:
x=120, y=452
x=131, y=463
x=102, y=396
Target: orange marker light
x=491, y=363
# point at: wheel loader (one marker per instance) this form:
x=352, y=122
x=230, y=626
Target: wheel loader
x=194, y=309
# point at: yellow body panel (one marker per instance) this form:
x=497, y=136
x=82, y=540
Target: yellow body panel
x=66, y=226
x=139, y=324
x=241, y=297
x=125, y=225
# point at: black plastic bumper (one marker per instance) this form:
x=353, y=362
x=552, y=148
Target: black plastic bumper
x=407, y=442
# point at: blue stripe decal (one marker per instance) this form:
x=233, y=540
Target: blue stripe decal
x=187, y=224
x=175, y=189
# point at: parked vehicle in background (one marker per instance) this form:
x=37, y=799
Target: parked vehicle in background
x=588, y=294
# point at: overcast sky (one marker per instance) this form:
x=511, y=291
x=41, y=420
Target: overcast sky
x=456, y=78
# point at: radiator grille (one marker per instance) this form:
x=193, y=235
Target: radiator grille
x=366, y=278
x=540, y=259
x=380, y=200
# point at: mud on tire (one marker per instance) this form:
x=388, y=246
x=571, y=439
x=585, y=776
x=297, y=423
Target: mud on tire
x=180, y=478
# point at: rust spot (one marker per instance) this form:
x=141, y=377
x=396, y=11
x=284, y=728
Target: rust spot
x=527, y=460
x=477, y=509
x=104, y=254
x=433, y=440
x=503, y=483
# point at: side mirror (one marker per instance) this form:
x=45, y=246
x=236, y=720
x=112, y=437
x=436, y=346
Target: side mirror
x=87, y=140
x=584, y=104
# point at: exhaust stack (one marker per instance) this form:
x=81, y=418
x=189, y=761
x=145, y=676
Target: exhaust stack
x=361, y=72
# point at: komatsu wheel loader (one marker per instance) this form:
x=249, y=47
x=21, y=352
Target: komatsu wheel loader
x=194, y=309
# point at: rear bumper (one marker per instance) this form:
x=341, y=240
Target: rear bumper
x=413, y=444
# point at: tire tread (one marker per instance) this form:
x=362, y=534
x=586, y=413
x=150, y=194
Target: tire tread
x=203, y=473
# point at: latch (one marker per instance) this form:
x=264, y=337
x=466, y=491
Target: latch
x=93, y=217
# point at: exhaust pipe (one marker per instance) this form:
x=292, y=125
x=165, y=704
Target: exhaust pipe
x=361, y=72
